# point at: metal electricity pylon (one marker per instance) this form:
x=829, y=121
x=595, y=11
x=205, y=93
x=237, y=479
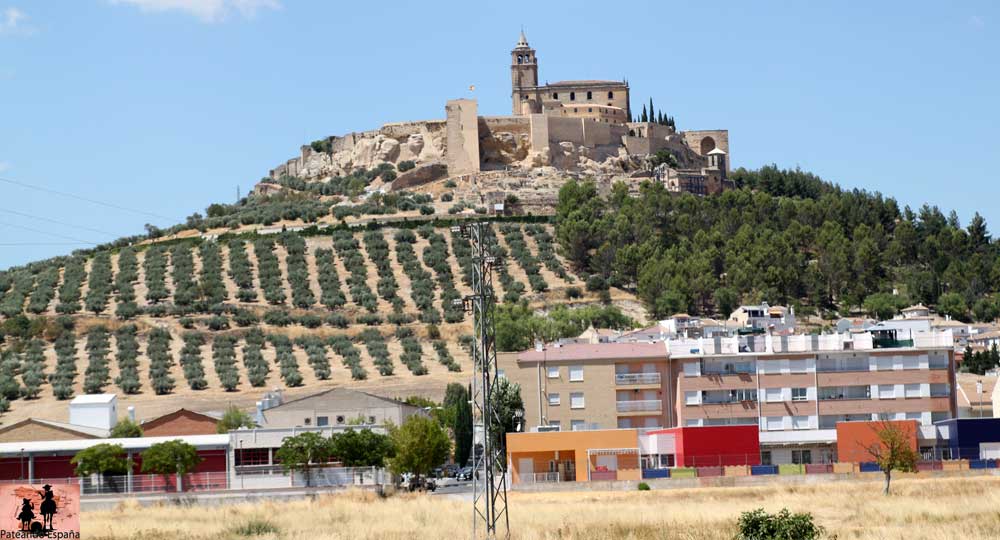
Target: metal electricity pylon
x=489, y=481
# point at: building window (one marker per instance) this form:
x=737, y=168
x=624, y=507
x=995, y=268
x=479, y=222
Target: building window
x=799, y=394
x=250, y=456
x=322, y=421
x=798, y=366
x=590, y=109
x=801, y=457
x=912, y=390
x=576, y=374
x=590, y=96
x=554, y=372
x=577, y=425
x=524, y=97
x=765, y=457
x=572, y=96
x=747, y=394
x=800, y=422
x=774, y=423
x=520, y=59
x=611, y=95
x=887, y=391
x=692, y=398
x=553, y=399
x=772, y=395
x=576, y=400
x=554, y=423
x=555, y=95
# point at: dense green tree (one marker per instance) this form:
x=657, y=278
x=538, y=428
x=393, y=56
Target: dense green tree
x=126, y=429
x=458, y=410
x=233, y=419
x=302, y=452
x=103, y=459
x=171, y=457
x=953, y=305
x=363, y=448
x=421, y=445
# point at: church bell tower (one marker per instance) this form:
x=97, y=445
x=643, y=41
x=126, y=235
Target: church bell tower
x=523, y=78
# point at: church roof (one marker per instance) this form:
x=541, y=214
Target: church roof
x=585, y=83
x=522, y=41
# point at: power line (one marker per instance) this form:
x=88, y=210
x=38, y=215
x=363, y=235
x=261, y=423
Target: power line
x=98, y=231
x=85, y=199
x=54, y=235
x=11, y=244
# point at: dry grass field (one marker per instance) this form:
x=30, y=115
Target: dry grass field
x=920, y=509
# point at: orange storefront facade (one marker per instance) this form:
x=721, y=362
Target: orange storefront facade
x=855, y=438
x=568, y=456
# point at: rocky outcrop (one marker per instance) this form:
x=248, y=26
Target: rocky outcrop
x=419, y=176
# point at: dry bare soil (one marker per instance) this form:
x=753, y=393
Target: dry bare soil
x=920, y=509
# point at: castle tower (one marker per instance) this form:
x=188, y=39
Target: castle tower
x=523, y=78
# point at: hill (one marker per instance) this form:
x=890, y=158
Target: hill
x=784, y=237
x=202, y=320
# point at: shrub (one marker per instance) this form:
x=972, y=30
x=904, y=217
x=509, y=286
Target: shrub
x=128, y=365
x=245, y=317
x=224, y=359
x=596, y=282
x=405, y=165
x=256, y=526
x=268, y=271
x=573, y=292
x=350, y=356
x=160, y=361
x=298, y=270
x=447, y=197
x=33, y=369
x=412, y=353
x=643, y=486
x=331, y=294
x=186, y=290
x=316, y=352
x=759, y=525
x=277, y=317
x=212, y=287
x=191, y=363
x=45, y=290
x=377, y=349
x=348, y=250
x=287, y=364
x=65, y=374
x=426, y=210
x=337, y=320
x=241, y=271
x=155, y=267
x=218, y=322
x=257, y=367
x=310, y=320
x=69, y=292
x=450, y=184
x=445, y=357
x=433, y=332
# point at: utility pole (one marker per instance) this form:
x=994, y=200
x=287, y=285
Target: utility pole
x=489, y=481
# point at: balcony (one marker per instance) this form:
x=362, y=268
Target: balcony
x=891, y=343
x=623, y=379
x=645, y=405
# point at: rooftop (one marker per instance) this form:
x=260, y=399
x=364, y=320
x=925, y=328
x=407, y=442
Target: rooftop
x=87, y=399
x=600, y=351
x=587, y=82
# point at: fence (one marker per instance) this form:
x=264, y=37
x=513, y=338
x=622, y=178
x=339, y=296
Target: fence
x=322, y=477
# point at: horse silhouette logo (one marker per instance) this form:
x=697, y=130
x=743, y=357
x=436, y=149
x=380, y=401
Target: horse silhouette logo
x=40, y=511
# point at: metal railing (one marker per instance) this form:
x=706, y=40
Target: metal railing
x=645, y=405
x=637, y=378
x=216, y=481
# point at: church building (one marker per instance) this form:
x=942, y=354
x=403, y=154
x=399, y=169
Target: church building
x=603, y=101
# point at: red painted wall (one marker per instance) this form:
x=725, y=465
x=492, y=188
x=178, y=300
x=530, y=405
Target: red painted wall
x=712, y=446
x=60, y=466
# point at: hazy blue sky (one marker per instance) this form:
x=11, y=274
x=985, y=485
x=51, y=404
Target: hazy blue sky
x=164, y=106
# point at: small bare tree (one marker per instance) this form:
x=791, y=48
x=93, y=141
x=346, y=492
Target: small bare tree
x=893, y=451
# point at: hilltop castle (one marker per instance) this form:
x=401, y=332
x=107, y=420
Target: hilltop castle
x=605, y=101
x=581, y=127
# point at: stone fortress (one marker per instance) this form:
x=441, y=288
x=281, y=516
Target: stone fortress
x=567, y=128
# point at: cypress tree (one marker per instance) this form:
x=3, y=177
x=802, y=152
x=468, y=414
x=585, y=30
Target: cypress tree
x=652, y=111
x=644, y=117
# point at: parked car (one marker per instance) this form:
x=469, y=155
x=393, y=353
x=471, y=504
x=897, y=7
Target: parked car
x=419, y=483
x=464, y=474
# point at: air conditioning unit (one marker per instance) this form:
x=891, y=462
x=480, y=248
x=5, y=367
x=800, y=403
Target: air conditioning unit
x=546, y=429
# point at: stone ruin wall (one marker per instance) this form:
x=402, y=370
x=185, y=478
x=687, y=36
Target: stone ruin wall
x=420, y=141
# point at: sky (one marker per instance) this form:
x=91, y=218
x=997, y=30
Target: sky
x=118, y=113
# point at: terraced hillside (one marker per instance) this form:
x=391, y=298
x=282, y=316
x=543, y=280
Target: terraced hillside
x=199, y=323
